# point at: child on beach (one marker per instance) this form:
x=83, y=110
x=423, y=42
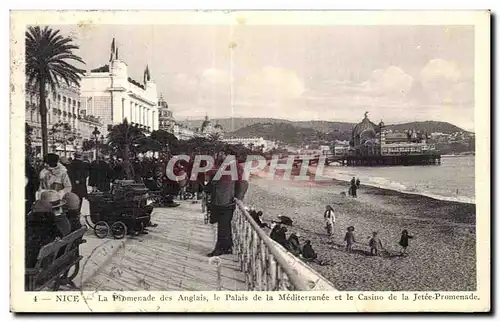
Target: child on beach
x=404, y=241
x=375, y=244
x=329, y=217
x=308, y=252
x=349, y=239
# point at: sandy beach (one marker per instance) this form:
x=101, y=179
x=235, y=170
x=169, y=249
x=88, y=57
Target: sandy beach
x=442, y=255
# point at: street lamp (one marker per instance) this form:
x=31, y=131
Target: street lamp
x=96, y=134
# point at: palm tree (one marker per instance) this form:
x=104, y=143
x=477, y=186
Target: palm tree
x=214, y=137
x=124, y=138
x=47, y=56
x=166, y=139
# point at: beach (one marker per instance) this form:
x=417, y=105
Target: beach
x=441, y=256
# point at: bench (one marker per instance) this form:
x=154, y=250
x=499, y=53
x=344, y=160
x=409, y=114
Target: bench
x=54, y=262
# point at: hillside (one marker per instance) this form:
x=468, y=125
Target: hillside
x=427, y=127
x=283, y=132
x=239, y=123
x=325, y=126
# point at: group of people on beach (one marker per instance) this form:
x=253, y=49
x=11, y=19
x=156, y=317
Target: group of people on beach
x=291, y=243
x=374, y=243
x=353, y=189
x=278, y=234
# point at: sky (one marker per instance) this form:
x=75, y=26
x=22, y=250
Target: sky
x=333, y=73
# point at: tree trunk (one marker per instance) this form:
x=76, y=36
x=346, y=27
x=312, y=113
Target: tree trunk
x=43, y=116
x=126, y=153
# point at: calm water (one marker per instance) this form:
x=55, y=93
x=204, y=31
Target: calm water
x=454, y=179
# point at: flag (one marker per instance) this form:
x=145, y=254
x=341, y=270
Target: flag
x=147, y=77
x=112, y=49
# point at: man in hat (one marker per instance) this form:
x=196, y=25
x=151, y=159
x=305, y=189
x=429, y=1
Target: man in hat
x=61, y=221
x=54, y=176
x=78, y=173
x=72, y=208
x=224, y=190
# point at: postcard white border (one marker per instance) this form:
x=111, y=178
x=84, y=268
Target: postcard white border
x=22, y=301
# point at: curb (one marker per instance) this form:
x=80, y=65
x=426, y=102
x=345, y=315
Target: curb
x=93, y=270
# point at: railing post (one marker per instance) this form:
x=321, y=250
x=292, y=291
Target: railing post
x=257, y=261
x=273, y=274
x=264, y=266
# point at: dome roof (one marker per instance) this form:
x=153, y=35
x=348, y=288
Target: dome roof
x=218, y=126
x=205, y=123
x=365, y=127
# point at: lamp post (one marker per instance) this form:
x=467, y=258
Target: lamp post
x=96, y=134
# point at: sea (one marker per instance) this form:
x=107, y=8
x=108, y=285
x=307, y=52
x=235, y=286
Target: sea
x=453, y=180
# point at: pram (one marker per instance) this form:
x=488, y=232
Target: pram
x=121, y=212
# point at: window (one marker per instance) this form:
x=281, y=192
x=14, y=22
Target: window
x=64, y=99
x=59, y=97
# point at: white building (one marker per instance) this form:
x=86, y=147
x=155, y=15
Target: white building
x=110, y=94
x=182, y=132
x=252, y=143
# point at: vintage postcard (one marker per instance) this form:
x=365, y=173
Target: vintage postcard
x=250, y=161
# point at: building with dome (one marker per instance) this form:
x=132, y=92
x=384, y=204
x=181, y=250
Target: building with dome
x=372, y=144
x=166, y=120
x=365, y=138
x=207, y=127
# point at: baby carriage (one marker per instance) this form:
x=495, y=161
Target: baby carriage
x=121, y=212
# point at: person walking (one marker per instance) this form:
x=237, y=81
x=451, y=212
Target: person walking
x=354, y=189
x=349, y=238
x=329, y=217
x=403, y=242
x=224, y=191
x=104, y=175
x=78, y=172
x=375, y=244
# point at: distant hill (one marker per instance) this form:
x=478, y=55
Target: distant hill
x=227, y=123
x=324, y=126
x=283, y=132
x=427, y=126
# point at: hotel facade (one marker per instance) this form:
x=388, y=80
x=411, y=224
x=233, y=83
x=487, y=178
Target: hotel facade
x=110, y=94
x=63, y=107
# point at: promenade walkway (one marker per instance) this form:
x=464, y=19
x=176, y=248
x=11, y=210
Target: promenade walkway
x=172, y=257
